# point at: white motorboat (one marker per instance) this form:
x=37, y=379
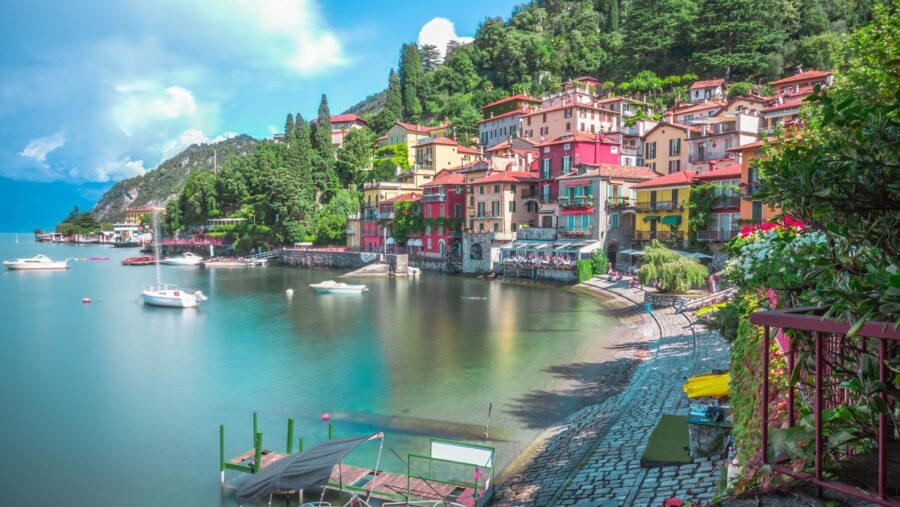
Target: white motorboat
x=185, y=259
x=35, y=263
x=332, y=287
x=233, y=262
x=171, y=296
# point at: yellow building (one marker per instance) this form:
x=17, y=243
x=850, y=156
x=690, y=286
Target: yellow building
x=662, y=208
x=133, y=215
x=435, y=155
x=665, y=147
x=377, y=191
x=411, y=135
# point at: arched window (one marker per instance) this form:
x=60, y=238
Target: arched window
x=475, y=253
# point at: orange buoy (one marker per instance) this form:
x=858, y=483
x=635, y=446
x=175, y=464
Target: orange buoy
x=85, y=300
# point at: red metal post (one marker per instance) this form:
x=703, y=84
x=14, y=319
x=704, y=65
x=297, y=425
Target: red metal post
x=882, y=421
x=792, y=358
x=764, y=401
x=818, y=404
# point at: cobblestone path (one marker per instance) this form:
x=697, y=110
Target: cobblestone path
x=593, y=457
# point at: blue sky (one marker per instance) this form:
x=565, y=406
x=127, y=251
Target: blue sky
x=92, y=95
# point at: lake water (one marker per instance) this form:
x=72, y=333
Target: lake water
x=115, y=403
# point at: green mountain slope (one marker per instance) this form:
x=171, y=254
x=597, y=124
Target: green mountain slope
x=163, y=183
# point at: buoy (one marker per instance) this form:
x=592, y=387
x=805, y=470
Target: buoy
x=85, y=300
x=326, y=416
x=289, y=292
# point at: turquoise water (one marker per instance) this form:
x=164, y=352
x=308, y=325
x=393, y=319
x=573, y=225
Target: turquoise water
x=115, y=403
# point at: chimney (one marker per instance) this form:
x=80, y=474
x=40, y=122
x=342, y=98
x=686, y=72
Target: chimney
x=800, y=69
x=712, y=165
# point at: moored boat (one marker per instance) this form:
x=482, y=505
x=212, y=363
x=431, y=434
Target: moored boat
x=143, y=260
x=233, y=262
x=126, y=244
x=332, y=287
x=172, y=297
x=36, y=263
x=185, y=259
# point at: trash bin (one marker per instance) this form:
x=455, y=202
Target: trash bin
x=708, y=428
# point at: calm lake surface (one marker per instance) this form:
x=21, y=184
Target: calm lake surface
x=115, y=403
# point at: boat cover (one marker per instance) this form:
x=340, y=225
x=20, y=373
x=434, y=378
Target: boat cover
x=308, y=469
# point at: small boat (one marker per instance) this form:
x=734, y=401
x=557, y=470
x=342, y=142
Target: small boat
x=35, y=263
x=126, y=244
x=186, y=259
x=143, y=260
x=332, y=287
x=172, y=297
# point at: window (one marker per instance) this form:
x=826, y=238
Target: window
x=512, y=189
x=568, y=126
x=496, y=227
x=614, y=221
x=429, y=243
x=568, y=113
x=757, y=216
x=529, y=122
x=544, y=118
x=674, y=166
x=582, y=126
x=496, y=189
x=512, y=130
x=567, y=147
x=515, y=227
x=652, y=166
x=480, y=227
x=442, y=210
x=545, y=170
x=440, y=230
x=481, y=189
x=457, y=210
x=545, y=192
x=650, y=150
x=495, y=208
x=427, y=230
x=567, y=163
x=674, y=147
x=481, y=210
x=675, y=198
x=512, y=206
x=427, y=211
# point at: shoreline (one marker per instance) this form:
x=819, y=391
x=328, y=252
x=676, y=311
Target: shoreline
x=635, y=327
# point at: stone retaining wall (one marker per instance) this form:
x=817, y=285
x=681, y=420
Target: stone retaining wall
x=311, y=259
x=662, y=300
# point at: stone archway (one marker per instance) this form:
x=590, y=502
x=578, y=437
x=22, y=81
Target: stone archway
x=612, y=252
x=455, y=248
x=476, y=253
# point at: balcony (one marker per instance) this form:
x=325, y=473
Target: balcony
x=658, y=235
x=716, y=235
x=384, y=215
x=425, y=166
x=659, y=205
x=576, y=202
x=726, y=201
x=619, y=203
x=576, y=232
x=707, y=155
x=751, y=189
x=434, y=198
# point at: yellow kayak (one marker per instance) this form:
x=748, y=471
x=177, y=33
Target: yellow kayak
x=708, y=385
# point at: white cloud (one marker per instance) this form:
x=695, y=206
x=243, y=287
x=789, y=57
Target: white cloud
x=438, y=32
x=141, y=104
x=38, y=149
x=120, y=169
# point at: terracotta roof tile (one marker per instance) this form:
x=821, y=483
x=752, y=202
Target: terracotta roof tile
x=681, y=178
x=520, y=96
x=508, y=177
x=803, y=76
x=344, y=118
x=446, y=177
x=709, y=83
x=612, y=171
x=578, y=137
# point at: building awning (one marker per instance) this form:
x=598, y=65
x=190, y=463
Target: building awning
x=548, y=207
x=632, y=252
x=414, y=242
x=671, y=220
x=649, y=218
x=390, y=241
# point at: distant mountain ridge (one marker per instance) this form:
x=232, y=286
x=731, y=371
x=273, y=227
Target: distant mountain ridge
x=159, y=185
x=369, y=105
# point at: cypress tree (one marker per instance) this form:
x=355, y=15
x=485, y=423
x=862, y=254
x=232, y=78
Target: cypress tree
x=321, y=141
x=411, y=74
x=288, y=125
x=300, y=157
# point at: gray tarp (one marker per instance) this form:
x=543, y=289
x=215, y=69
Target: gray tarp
x=308, y=469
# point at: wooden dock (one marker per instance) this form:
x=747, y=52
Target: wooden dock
x=390, y=486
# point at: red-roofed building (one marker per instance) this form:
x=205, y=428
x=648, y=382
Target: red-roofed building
x=435, y=154
x=343, y=123
x=753, y=210
x=687, y=115
x=717, y=134
x=597, y=202
x=503, y=202
x=803, y=82
x=512, y=103
x=662, y=206
x=561, y=154
x=498, y=128
x=710, y=89
x=784, y=109
x=411, y=135
x=551, y=122
x=382, y=238
x=443, y=209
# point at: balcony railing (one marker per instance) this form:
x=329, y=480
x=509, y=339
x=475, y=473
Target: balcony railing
x=434, y=198
x=576, y=202
x=751, y=189
x=822, y=360
x=708, y=155
x=629, y=150
x=660, y=205
x=726, y=201
x=576, y=232
x=619, y=202
x=384, y=216
x=716, y=235
x=658, y=235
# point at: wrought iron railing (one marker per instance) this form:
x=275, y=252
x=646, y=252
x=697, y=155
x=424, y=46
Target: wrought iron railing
x=658, y=235
x=659, y=205
x=578, y=201
x=815, y=351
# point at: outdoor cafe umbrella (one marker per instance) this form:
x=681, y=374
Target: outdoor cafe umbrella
x=308, y=469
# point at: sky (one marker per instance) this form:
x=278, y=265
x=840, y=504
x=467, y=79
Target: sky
x=95, y=92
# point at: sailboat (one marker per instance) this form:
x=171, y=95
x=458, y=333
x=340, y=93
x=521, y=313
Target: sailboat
x=168, y=295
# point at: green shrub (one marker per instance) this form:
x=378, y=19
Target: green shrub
x=585, y=270
x=600, y=262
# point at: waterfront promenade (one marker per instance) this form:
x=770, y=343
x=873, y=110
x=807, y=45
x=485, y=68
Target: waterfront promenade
x=593, y=456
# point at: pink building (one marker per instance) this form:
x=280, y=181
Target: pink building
x=560, y=155
x=443, y=210
x=377, y=234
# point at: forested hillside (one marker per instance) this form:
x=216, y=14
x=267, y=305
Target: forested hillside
x=161, y=184
x=637, y=46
